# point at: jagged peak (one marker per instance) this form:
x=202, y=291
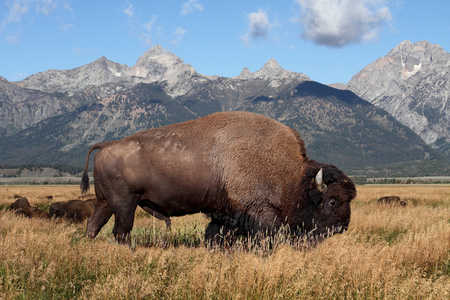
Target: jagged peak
x=271, y=69
x=159, y=54
x=272, y=63
x=101, y=61
x=158, y=49
x=419, y=45
x=245, y=74
x=103, y=58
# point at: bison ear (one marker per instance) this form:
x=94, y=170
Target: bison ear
x=318, y=181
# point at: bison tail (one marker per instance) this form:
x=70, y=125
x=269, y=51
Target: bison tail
x=84, y=186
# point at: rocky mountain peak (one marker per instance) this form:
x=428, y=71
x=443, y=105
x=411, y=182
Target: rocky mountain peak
x=272, y=70
x=158, y=55
x=411, y=82
x=158, y=64
x=411, y=58
x=245, y=74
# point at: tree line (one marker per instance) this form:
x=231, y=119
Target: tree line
x=73, y=170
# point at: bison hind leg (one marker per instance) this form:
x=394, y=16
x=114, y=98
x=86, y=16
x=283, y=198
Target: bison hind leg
x=98, y=219
x=124, y=216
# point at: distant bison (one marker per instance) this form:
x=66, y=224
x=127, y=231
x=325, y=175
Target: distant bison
x=247, y=172
x=391, y=200
x=21, y=202
x=32, y=212
x=22, y=207
x=73, y=210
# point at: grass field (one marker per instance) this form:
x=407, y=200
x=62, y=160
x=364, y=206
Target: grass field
x=388, y=253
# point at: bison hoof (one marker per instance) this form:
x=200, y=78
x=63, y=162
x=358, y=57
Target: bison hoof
x=90, y=235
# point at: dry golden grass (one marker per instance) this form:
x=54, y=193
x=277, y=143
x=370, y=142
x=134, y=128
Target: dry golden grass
x=388, y=253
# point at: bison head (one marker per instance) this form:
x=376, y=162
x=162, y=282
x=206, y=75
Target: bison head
x=56, y=210
x=324, y=208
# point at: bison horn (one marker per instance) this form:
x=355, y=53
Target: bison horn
x=320, y=185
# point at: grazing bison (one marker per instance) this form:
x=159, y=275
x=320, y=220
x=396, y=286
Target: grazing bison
x=21, y=202
x=74, y=210
x=32, y=212
x=247, y=172
x=391, y=200
x=22, y=207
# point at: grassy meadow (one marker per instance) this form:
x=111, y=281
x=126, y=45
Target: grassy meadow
x=388, y=252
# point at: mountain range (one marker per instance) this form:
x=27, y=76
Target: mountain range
x=412, y=83
x=54, y=116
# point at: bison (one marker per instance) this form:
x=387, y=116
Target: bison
x=74, y=210
x=21, y=202
x=391, y=200
x=32, y=212
x=22, y=207
x=247, y=172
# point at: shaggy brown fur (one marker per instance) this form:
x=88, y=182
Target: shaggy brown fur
x=73, y=210
x=22, y=207
x=248, y=172
x=32, y=212
x=21, y=202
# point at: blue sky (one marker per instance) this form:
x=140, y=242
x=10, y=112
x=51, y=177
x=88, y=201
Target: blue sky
x=328, y=40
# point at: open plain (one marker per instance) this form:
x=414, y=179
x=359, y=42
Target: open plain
x=389, y=252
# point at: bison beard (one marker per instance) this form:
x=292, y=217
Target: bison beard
x=247, y=172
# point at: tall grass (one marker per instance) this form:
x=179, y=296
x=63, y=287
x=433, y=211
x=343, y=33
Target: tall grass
x=388, y=252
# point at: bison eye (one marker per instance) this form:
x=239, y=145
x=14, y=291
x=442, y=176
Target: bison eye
x=332, y=203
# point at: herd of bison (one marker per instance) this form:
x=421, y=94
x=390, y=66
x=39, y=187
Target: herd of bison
x=72, y=210
x=78, y=210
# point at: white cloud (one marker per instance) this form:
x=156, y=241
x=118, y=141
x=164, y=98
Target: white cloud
x=129, y=10
x=190, y=6
x=336, y=23
x=179, y=33
x=149, y=25
x=18, y=10
x=146, y=35
x=46, y=6
x=259, y=26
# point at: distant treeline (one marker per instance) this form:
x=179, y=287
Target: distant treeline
x=38, y=166
x=424, y=168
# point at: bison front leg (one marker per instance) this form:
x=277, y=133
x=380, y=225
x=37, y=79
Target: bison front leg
x=97, y=220
x=219, y=233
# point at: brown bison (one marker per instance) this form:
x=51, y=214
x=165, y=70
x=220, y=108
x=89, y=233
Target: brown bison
x=21, y=202
x=73, y=210
x=391, y=200
x=22, y=207
x=247, y=172
x=32, y=212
